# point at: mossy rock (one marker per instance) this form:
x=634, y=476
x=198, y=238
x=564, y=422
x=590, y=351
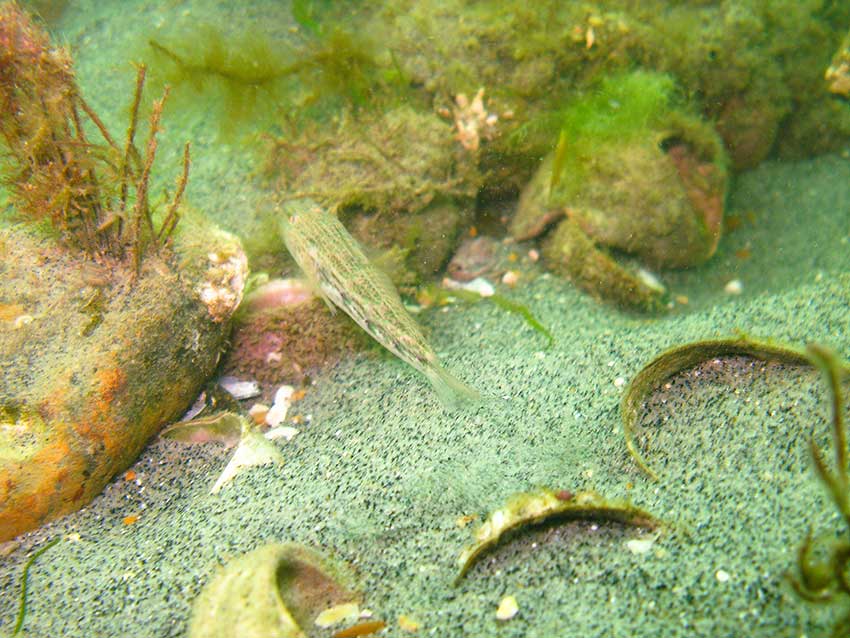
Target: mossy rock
x=399, y=180
x=94, y=360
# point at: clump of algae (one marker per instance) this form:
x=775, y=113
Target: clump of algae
x=94, y=194
x=257, y=79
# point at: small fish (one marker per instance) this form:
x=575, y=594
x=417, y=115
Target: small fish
x=342, y=274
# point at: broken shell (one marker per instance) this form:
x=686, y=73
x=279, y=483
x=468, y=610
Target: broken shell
x=222, y=427
x=272, y=591
x=530, y=508
x=685, y=356
x=239, y=389
x=254, y=449
x=225, y=427
x=282, y=401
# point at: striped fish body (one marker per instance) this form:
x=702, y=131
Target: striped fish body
x=338, y=268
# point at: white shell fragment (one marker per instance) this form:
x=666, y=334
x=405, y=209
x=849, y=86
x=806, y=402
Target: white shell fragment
x=239, y=389
x=510, y=278
x=478, y=285
x=508, y=608
x=282, y=401
x=281, y=432
x=196, y=408
x=258, y=413
x=650, y=280
x=640, y=546
x=253, y=449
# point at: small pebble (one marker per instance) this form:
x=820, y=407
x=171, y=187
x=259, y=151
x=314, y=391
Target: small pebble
x=640, y=546
x=337, y=614
x=258, y=413
x=734, y=287
x=508, y=608
x=408, y=623
x=510, y=278
x=23, y=320
x=478, y=285
x=650, y=280
x=281, y=432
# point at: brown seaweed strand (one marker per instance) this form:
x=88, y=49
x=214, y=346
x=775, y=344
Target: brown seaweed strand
x=172, y=217
x=87, y=214
x=97, y=121
x=129, y=145
x=837, y=480
x=141, y=212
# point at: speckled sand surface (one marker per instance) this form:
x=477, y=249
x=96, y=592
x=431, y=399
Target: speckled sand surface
x=381, y=473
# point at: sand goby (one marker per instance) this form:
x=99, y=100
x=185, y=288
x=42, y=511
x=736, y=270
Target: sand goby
x=341, y=273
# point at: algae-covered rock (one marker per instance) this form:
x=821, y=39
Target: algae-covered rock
x=286, y=335
x=632, y=173
x=399, y=179
x=572, y=254
x=93, y=361
x=743, y=62
x=109, y=320
x=275, y=591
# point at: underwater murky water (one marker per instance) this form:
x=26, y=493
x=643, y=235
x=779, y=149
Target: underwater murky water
x=400, y=318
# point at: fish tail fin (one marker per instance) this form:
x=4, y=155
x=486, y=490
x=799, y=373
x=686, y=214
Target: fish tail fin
x=453, y=392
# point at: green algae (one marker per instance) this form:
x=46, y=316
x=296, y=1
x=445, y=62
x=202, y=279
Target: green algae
x=22, y=609
x=622, y=107
x=256, y=79
x=470, y=296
